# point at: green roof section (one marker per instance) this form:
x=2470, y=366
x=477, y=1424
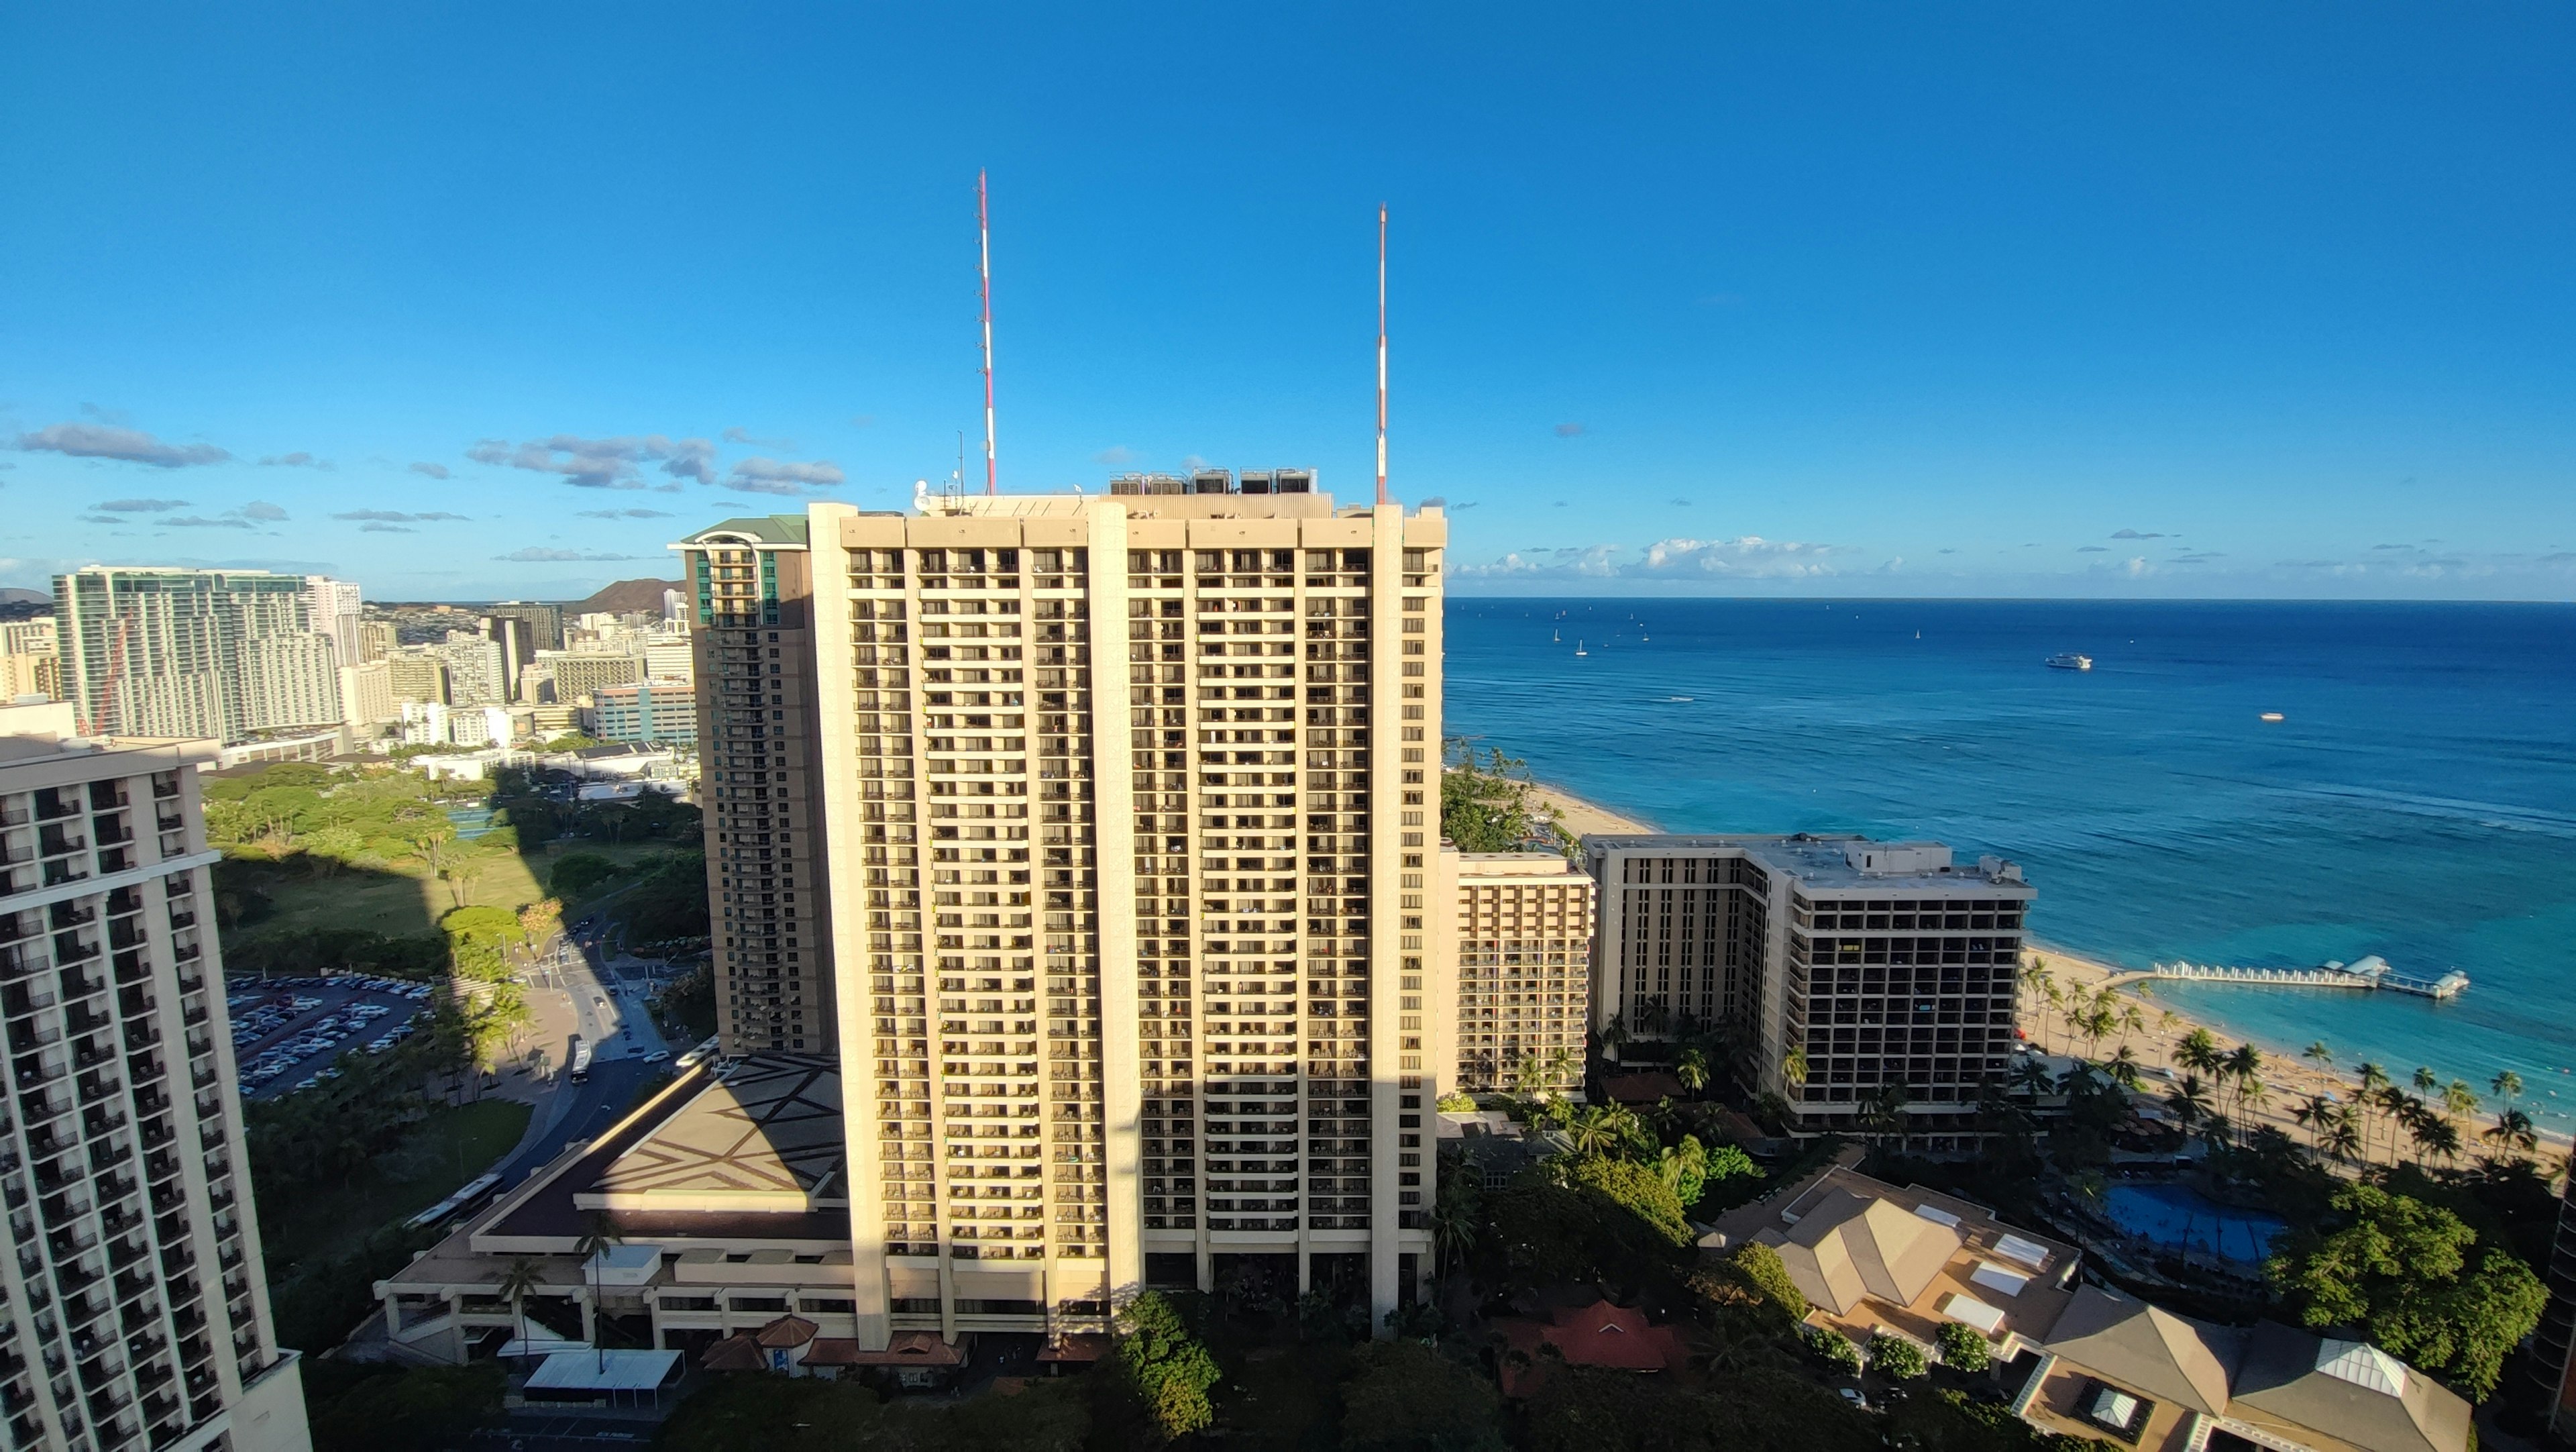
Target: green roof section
x=779, y=529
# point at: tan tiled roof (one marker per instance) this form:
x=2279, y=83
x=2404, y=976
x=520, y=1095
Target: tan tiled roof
x=2145, y=1348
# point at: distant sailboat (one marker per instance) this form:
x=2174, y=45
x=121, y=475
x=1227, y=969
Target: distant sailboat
x=1556, y=637
x=1579, y=650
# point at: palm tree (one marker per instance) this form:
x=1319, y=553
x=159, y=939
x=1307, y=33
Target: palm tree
x=2318, y=1054
x=1883, y=1112
x=598, y=1235
x=2343, y=1136
x=2512, y=1131
x=2507, y=1085
x=2123, y=1068
x=2426, y=1081
x=2460, y=1100
x=1793, y=1064
x=2315, y=1113
x=1692, y=1069
x=2199, y=1052
x=2243, y=1066
x=517, y=1279
x=1454, y=1223
x=2031, y=1074
x=2189, y=1102
x=2438, y=1136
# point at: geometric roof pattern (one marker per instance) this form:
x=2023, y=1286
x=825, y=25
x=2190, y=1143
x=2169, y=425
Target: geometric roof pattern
x=2351, y=1391
x=769, y=1135
x=2145, y=1348
x=1849, y=1246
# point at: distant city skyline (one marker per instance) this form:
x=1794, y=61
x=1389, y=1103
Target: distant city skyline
x=2189, y=301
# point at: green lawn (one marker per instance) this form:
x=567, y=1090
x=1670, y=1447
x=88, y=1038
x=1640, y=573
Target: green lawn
x=450, y=1147
x=401, y=903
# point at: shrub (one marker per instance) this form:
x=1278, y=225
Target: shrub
x=1831, y=1347
x=1893, y=1355
x=1760, y=1267
x=1963, y=1348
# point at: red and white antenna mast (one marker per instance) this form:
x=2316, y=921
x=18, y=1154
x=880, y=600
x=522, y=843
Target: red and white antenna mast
x=1381, y=354
x=984, y=232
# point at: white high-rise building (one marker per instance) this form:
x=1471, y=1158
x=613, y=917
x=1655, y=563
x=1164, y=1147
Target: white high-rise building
x=227, y=654
x=135, y=1313
x=334, y=608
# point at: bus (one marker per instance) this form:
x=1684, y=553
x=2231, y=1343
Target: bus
x=474, y=1196
x=579, y=1069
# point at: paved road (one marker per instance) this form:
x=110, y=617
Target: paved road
x=608, y=1012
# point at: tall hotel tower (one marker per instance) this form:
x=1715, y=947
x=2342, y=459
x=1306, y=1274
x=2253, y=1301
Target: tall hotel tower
x=1120, y=813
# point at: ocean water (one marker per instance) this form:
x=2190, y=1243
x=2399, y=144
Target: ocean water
x=2418, y=801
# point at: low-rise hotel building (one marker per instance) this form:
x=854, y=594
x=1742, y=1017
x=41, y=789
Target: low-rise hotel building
x=2087, y=1361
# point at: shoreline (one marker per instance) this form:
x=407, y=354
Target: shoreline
x=2287, y=1077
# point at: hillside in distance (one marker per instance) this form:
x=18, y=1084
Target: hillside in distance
x=625, y=596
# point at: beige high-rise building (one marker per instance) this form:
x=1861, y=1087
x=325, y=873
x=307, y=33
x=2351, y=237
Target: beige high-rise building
x=1848, y=971
x=135, y=1312
x=1524, y=966
x=367, y=694
x=29, y=662
x=417, y=675
x=1127, y=810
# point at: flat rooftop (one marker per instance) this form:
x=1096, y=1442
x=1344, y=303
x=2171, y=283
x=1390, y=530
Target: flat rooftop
x=1839, y=862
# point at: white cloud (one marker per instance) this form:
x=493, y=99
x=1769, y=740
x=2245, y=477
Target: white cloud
x=102, y=441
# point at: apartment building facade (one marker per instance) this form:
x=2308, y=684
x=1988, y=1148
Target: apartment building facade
x=134, y=1313
x=1856, y=978
x=1126, y=809
x=649, y=711
x=1524, y=970
x=193, y=653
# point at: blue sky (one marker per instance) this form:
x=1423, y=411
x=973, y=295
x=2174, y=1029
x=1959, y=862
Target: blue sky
x=2208, y=300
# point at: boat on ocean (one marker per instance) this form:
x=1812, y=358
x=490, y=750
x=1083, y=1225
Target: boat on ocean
x=2274, y=716
x=1579, y=650
x=2070, y=661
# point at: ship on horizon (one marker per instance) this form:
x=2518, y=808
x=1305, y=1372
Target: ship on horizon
x=2069, y=661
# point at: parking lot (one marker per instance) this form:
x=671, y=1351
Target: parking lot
x=287, y=1031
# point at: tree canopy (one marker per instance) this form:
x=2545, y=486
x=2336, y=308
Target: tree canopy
x=1165, y=1366
x=2413, y=1277
x=1488, y=804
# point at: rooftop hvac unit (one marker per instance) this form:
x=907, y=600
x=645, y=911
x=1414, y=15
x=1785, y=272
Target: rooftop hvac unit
x=1166, y=484
x=1127, y=484
x=1296, y=481
x=1212, y=481
x=1256, y=481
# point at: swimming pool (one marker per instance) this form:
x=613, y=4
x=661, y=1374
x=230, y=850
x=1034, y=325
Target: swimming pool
x=2181, y=1217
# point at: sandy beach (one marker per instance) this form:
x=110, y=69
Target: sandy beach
x=1584, y=818
x=2288, y=1079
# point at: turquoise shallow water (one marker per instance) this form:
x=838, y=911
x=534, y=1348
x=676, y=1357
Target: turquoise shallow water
x=2418, y=802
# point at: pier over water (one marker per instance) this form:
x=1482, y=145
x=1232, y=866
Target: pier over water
x=2371, y=972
